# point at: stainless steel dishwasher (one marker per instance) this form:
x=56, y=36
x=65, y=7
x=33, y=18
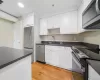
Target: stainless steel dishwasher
x=40, y=53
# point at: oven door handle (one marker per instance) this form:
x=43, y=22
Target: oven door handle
x=77, y=62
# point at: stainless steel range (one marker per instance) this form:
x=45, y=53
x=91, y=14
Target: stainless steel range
x=80, y=59
x=80, y=55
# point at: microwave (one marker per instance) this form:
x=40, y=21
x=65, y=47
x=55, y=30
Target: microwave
x=91, y=15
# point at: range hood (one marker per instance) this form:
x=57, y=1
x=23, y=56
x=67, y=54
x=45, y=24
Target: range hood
x=54, y=31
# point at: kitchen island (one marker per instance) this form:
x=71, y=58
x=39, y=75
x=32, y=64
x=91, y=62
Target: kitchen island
x=15, y=64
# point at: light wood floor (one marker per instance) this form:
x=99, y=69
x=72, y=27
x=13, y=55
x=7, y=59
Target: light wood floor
x=47, y=72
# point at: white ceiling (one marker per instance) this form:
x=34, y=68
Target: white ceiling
x=42, y=7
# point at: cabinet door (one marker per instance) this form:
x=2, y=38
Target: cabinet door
x=48, y=54
x=50, y=23
x=65, y=58
x=20, y=70
x=55, y=55
x=28, y=20
x=57, y=21
x=92, y=74
x=52, y=55
x=59, y=56
x=54, y=22
x=43, y=27
x=69, y=23
x=80, y=11
x=82, y=7
x=25, y=20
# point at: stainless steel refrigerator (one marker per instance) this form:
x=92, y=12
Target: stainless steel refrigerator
x=28, y=40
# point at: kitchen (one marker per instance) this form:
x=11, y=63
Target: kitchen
x=49, y=40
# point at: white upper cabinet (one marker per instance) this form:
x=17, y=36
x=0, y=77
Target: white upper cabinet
x=43, y=27
x=69, y=23
x=57, y=21
x=66, y=23
x=81, y=9
x=50, y=23
x=54, y=22
x=28, y=20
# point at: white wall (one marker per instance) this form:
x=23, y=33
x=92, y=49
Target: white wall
x=6, y=16
x=91, y=37
x=6, y=33
x=18, y=34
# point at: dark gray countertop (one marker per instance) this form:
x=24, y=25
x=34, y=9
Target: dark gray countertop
x=11, y=55
x=91, y=54
x=95, y=65
x=68, y=44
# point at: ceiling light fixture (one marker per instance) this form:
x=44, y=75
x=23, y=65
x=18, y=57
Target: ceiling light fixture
x=20, y=4
x=53, y=5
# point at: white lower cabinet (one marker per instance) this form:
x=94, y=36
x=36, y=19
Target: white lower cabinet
x=92, y=74
x=51, y=55
x=48, y=54
x=20, y=70
x=58, y=56
x=55, y=55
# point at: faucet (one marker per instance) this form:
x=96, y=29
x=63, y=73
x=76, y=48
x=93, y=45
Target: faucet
x=53, y=38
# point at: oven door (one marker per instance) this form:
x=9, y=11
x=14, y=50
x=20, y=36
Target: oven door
x=76, y=64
